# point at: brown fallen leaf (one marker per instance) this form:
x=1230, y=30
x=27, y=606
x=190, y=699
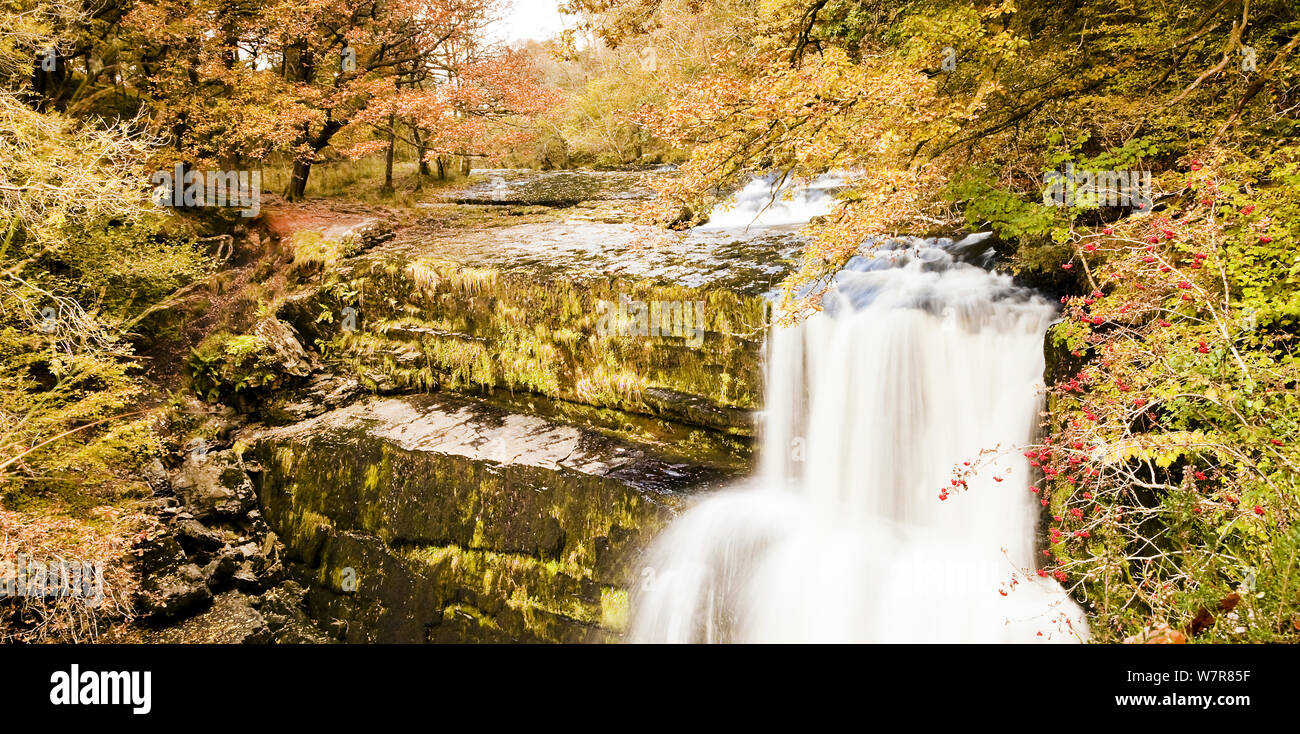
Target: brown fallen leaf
x=1201, y=622
x=1230, y=602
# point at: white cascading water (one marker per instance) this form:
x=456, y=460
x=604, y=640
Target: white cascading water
x=919, y=363
x=760, y=204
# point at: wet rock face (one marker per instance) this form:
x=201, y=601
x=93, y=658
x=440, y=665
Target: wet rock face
x=322, y=393
x=446, y=520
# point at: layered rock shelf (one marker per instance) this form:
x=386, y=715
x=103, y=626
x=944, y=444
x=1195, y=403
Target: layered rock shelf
x=442, y=519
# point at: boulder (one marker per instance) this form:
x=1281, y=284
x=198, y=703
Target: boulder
x=195, y=537
x=221, y=570
x=174, y=594
x=240, y=369
x=215, y=484
x=283, y=345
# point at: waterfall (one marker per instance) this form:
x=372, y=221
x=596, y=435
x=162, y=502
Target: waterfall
x=763, y=204
x=921, y=361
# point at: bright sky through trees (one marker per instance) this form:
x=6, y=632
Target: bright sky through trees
x=525, y=20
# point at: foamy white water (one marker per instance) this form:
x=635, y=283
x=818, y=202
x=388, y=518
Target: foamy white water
x=759, y=204
x=920, y=362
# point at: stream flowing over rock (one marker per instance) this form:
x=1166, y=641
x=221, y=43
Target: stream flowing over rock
x=922, y=368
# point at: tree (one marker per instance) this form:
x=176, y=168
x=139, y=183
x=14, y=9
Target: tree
x=468, y=101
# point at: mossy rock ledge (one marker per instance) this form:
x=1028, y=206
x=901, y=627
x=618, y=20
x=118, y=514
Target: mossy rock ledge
x=436, y=518
x=402, y=320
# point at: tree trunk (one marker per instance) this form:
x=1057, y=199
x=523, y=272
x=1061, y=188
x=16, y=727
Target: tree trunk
x=302, y=168
x=422, y=165
x=442, y=168
x=297, y=188
x=464, y=165
x=422, y=151
x=387, y=189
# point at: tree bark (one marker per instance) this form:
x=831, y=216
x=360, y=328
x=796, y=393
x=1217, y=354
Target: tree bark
x=421, y=151
x=387, y=189
x=302, y=168
x=298, y=181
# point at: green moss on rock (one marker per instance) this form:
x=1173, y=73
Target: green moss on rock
x=522, y=549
